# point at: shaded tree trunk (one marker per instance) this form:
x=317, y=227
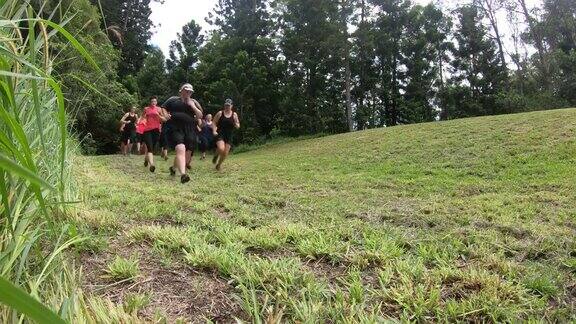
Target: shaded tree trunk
x=348, y=95
x=346, y=61
x=488, y=7
x=538, y=42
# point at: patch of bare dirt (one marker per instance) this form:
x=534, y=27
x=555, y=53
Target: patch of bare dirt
x=322, y=269
x=364, y=216
x=471, y=190
x=516, y=232
x=222, y=211
x=181, y=292
x=415, y=221
x=459, y=289
x=176, y=291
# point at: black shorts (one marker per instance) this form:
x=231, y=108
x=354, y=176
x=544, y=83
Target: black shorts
x=151, y=139
x=139, y=138
x=128, y=135
x=225, y=137
x=183, y=134
x=165, y=136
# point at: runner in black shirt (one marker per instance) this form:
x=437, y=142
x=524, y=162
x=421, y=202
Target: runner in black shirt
x=225, y=122
x=129, y=130
x=183, y=114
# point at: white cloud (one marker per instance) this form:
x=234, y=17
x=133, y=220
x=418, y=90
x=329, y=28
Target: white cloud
x=171, y=16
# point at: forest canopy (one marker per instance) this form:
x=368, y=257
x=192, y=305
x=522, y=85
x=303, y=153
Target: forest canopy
x=302, y=67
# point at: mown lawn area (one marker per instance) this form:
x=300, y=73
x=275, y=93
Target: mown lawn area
x=467, y=220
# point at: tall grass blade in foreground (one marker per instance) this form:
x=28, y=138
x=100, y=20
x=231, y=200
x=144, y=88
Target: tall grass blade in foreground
x=21, y=301
x=36, y=181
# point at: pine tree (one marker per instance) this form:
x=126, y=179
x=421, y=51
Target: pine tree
x=184, y=54
x=390, y=26
x=240, y=62
x=477, y=76
x=558, y=28
x=128, y=25
x=438, y=29
x=152, y=78
x=364, y=67
x=311, y=44
x=418, y=58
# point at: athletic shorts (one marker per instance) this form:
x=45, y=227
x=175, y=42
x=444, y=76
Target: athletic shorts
x=183, y=134
x=139, y=138
x=151, y=139
x=226, y=137
x=128, y=135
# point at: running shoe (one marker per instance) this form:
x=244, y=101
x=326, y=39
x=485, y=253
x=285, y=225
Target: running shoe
x=214, y=159
x=152, y=168
x=145, y=163
x=172, y=171
x=184, y=178
x=188, y=167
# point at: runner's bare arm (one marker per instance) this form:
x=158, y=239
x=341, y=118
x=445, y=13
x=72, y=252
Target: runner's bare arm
x=164, y=115
x=215, y=122
x=202, y=110
x=195, y=109
x=123, y=120
x=198, y=105
x=236, y=121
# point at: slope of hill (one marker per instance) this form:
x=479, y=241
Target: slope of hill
x=470, y=220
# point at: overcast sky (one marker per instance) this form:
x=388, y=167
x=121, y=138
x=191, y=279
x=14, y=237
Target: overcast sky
x=171, y=16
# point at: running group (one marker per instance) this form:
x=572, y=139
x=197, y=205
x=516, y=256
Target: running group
x=179, y=124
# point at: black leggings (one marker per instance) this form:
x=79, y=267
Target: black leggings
x=206, y=144
x=151, y=139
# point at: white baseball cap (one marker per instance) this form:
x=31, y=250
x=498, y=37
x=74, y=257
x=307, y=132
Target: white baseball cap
x=187, y=87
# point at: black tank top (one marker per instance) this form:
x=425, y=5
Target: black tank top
x=181, y=113
x=225, y=124
x=131, y=125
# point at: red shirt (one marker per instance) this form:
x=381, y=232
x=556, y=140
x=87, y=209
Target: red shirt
x=141, y=127
x=153, y=120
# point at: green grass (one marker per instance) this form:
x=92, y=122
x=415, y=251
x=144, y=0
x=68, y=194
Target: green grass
x=468, y=220
x=135, y=302
x=123, y=269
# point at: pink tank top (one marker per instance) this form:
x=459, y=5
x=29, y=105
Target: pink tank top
x=141, y=127
x=153, y=120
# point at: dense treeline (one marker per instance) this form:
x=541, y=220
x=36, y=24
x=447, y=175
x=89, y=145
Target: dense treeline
x=296, y=67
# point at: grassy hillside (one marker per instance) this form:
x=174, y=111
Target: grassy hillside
x=470, y=220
